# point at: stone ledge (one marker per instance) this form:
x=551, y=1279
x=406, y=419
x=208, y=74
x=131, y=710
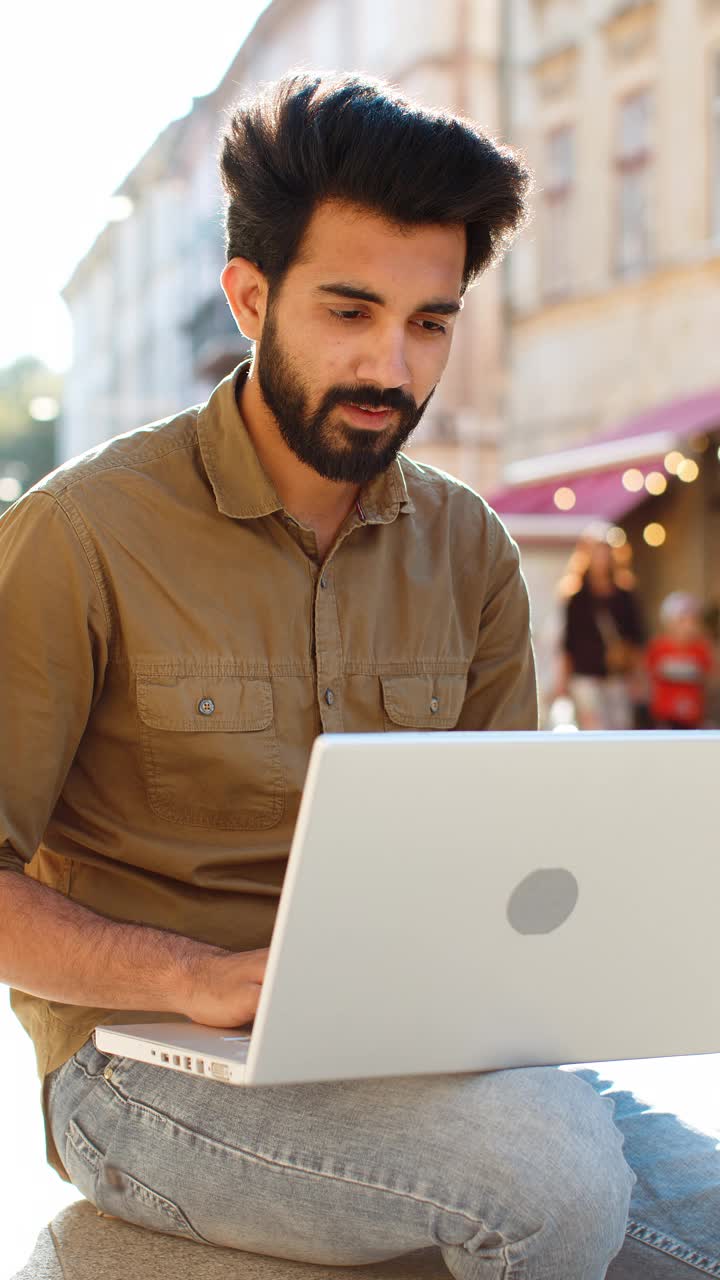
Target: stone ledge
x=80, y=1244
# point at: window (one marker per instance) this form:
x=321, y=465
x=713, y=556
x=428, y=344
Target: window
x=633, y=166
x=715, y=149
x=557, y=213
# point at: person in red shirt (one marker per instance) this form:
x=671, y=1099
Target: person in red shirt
x=679, y=661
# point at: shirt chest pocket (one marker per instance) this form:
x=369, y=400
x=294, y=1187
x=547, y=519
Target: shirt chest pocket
x=429, y=701
x=210, y=750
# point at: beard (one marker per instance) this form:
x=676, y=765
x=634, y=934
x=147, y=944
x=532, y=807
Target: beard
x=334, y=450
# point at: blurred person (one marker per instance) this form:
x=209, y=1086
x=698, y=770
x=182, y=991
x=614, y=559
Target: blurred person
x=679, y=661
x=602, y=639
x=184, y=609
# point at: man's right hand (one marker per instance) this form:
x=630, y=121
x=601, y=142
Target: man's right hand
x=224, y=987
x=59, y=950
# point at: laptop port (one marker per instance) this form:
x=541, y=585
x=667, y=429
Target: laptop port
x=200, y=1066
x=164, y=1057
x=188, y=1064
x=219, y=1071
x=176, y=1059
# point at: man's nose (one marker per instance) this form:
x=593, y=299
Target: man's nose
x=385, y=363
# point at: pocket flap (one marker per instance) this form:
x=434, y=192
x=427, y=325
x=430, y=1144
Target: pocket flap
x=204, y=704
x=424, y=701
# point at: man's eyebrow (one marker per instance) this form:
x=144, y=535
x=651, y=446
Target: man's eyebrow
x=341, y=289
x=441, y=306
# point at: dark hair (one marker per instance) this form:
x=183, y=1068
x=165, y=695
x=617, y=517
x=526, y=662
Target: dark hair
x=308, y=138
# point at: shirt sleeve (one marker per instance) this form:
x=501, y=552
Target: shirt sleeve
x=502, y=688
x=53, y=652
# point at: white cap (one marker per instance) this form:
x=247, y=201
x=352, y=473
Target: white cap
x=678, y=605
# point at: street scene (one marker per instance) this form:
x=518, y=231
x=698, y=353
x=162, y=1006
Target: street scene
x=581, y=398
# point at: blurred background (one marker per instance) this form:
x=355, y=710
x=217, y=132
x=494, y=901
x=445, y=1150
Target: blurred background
x=584, y=386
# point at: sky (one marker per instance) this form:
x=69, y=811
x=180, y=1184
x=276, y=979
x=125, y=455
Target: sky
x=84, y=90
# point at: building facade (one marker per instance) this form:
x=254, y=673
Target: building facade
x=614, y=298
x=590, y=353
x=152, y=328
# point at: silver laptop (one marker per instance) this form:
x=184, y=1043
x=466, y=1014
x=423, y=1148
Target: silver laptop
x=471, y=901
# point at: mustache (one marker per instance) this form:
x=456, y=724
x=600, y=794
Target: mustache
x=369, y=398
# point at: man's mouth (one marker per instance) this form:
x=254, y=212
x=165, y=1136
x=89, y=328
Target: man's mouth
x=364, y=415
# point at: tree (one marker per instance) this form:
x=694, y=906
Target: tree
x=30, y=397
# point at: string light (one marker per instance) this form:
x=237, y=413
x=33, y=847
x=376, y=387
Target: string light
x=633, y=480
x=672, y=461
x=564, y=498
x=655, y=483
x=688, y=470
x=654, y=534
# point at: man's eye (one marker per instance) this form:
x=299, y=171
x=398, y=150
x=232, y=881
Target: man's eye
x=432, y=326
x=346, y=315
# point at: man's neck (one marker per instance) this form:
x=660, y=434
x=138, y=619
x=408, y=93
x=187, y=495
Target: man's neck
x=315, y=501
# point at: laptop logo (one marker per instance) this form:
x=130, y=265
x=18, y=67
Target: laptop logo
x=543, y=900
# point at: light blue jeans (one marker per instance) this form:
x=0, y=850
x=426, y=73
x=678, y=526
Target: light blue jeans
x=514, y=1175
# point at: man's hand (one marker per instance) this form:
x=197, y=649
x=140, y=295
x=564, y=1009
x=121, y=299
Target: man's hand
x=59, y=950
x=224, y=987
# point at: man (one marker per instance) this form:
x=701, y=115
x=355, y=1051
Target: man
x=185, y=609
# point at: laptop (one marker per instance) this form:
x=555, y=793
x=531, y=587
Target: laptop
x=460, y=902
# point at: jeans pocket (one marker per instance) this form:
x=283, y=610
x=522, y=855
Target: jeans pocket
x=82, y=1160
x=124, y=1196
x=117, y=1192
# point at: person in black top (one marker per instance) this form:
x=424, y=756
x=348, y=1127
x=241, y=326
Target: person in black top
x=602, y=641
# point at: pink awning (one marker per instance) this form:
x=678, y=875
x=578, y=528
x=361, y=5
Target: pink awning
x=594, y=470
x=689, y=416
x=600, y=496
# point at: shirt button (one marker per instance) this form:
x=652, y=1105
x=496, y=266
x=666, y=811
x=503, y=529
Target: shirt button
x=206, y=706
x=108, y=1073
x=434, y=705
x=323, y=582
x=329, y=697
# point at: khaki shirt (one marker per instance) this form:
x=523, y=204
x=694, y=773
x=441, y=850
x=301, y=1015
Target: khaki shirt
x=170, y=646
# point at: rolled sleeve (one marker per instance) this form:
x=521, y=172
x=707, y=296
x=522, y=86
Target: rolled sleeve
x=502, y=686
x=53, y=652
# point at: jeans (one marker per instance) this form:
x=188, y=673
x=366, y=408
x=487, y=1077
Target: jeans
x=514, y=1175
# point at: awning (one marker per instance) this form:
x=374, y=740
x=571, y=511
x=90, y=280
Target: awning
x=594, y=471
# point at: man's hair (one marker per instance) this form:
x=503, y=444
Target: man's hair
x=309, y=138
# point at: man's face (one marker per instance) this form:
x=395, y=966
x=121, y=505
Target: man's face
x=356, y=337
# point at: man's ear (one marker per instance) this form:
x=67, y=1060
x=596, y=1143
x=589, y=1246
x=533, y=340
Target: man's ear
x=246, y=290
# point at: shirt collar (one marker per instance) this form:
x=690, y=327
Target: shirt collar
x=243, y=488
